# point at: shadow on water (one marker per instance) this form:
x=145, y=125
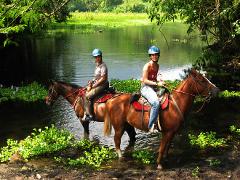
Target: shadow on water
x=19, y=119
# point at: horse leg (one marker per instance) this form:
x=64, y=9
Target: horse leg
x=86, y=129
x=164, y=143
x=117, y=140
x=167, y=149
x=131, y=133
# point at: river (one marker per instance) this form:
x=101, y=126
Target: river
x=66, y=56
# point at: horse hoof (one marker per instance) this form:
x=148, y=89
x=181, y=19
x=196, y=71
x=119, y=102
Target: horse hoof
x=159, y=167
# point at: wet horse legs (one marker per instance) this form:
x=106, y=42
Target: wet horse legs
x=117, y=140
x=131, y=133
x=86, y=129
x=164, y=145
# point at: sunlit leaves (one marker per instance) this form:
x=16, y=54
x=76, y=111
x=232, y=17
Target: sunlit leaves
x=206, y=140
x=51, y=140
x=144, y=156
x=29, y=16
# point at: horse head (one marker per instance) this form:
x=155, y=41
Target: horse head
x=52, y=93
x=202, y=86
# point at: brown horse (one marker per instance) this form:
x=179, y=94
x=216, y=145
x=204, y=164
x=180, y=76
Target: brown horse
x=121, y=114
x=74, y=95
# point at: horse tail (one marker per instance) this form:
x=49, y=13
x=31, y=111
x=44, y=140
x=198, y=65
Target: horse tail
x=107, y=123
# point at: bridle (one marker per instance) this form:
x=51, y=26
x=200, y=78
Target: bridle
x=206, y=98
x=53, y=94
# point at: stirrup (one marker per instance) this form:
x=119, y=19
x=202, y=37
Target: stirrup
x=153, y=129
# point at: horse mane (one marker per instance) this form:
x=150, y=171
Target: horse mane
x=186, y=73
x=69, y=84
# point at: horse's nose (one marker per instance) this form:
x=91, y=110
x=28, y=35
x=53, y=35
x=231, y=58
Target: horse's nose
x=215, y=91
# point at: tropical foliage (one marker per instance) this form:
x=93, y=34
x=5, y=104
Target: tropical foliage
x=206, y=140
x=218, y=19
x=109, y=5
x=144, y=156
x=29, y=93
x=21, y=16
x=49, y=141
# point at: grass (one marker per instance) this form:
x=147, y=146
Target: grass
x=90, y=22
x=109, y=19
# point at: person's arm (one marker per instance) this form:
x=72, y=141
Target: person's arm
x=101, y=80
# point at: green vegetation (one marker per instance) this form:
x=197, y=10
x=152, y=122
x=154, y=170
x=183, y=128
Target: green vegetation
x=206, y=140
x=144, y=156
x=214, y=162
x=214, y=19
x=219, y=25
x=29, y=16
x=35, y=92
x=195, y=172
x=89, y=22
x=229, y=94
x=33, y=16
x=234, y=130
x=30, y=93
x=127, y=86
x=109, y=5
x=40, y=142
x=93, y=156
x=51, y=141
x=134, y=85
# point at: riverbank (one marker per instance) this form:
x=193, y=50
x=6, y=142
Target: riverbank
x=92, y=22
x=127, y=169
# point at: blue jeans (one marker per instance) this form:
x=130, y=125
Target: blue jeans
x=152, y=98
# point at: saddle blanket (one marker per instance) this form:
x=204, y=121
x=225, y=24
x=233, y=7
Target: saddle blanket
x=143, y=105
x=104, y=98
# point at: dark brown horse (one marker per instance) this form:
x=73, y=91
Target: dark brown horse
x=122, y=115
x=74, y=95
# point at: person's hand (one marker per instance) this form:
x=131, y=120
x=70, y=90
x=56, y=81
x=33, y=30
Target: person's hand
x=90, y=82
x=89, y=88
x=160, y=83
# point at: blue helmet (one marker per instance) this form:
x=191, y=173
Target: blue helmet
x=97, y=52
x=153, y=50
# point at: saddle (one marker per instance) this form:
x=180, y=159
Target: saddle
x=104, y=96
x=141, y=104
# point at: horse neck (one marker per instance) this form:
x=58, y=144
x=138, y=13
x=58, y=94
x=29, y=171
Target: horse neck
x=68, y=92
x=184, y=96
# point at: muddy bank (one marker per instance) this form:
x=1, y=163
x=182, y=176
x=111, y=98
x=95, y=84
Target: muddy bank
x=184, y=165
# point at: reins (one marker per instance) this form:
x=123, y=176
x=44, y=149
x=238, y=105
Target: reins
x=193, y=95
x=80, y=92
